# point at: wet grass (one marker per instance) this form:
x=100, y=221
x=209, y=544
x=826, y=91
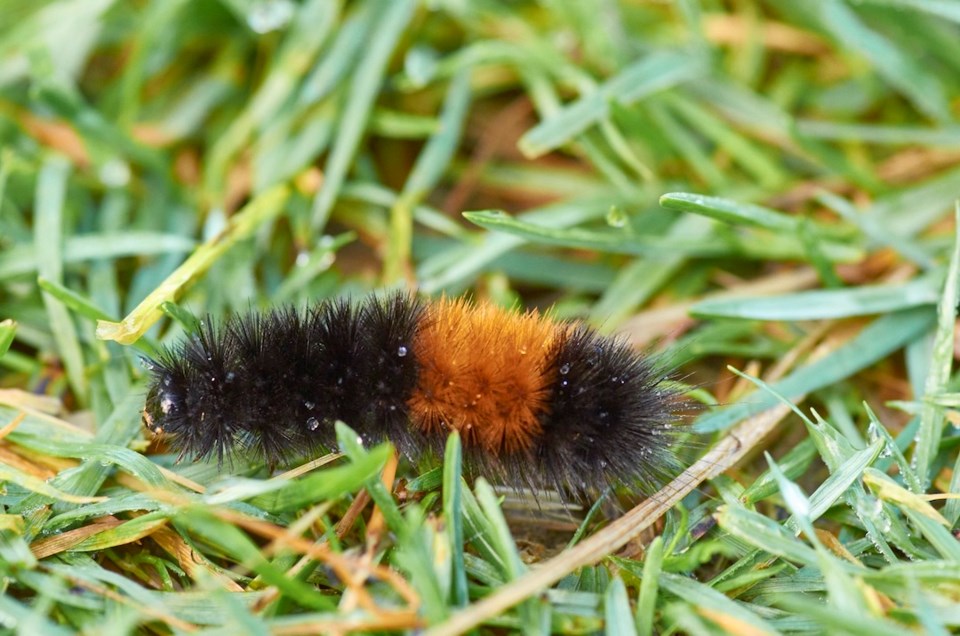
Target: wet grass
x=768, y=192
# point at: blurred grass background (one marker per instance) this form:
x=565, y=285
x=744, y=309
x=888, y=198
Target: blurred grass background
x=763, y=186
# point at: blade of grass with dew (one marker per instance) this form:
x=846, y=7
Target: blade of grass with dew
x=779, y=247
x=611, y=242
x=932, y=419
x=824, y=304
x=892, y=450
x=846, y=465
x=764, y=534
x=842, y=593
x=737, y=213
x=876, y=341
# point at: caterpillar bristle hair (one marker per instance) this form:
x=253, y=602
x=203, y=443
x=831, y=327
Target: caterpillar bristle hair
x=537, y=403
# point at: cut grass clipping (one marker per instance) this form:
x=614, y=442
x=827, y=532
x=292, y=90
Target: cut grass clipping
x=767, y=193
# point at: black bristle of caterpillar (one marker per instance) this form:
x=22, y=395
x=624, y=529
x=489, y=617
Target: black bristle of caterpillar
x=272, y=385
x=389, y=325
x=190, y=394
x=334, y=375
x=274, y=355
x=609, y=418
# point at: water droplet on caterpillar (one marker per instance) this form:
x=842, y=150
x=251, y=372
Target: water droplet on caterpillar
x=565, y=369
x=313, y=423
x=401, y=351
x=310, y=405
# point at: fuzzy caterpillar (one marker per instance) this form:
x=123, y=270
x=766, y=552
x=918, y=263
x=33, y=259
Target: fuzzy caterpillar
x=537, y=403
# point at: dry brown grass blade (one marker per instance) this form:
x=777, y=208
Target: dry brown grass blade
x=12, y=426
x=189, y=559
x=66, y=540
x=741, y=30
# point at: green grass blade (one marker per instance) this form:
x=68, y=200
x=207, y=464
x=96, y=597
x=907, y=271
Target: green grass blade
x=931, y=417
x=452, y=512
x=392, y=18
x=825, y=304
x=879, y=339
x=650, y=74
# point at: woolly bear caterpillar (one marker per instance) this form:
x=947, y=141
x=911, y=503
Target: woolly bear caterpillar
x=537, y=403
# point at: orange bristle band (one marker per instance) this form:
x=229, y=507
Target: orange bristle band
x=483, y=372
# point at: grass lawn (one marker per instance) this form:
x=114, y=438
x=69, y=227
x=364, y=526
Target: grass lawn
x=764, y=191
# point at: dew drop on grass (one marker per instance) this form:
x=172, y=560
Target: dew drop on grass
x=270, y=15
x=616, y=217
x=114, y=173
